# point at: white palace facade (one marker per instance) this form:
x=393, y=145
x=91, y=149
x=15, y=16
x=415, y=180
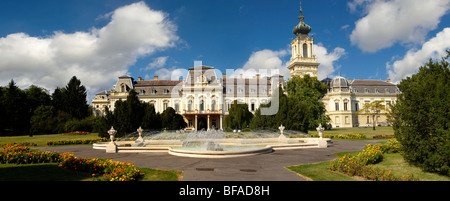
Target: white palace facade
x=204, y=97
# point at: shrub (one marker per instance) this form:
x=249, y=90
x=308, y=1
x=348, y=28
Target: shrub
x=75, y=141
x=360, y=164
x=108, y=170
x=420, y=117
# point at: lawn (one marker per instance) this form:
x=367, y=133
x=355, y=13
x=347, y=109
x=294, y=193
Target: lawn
x=51, y=172
x=41, y=140
x=394, y=162
x=368, y=131
x=399, y=166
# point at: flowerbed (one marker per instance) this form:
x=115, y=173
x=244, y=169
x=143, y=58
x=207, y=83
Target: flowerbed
x=75, y=141
x=104, y=170
x=360, y=164
x=341, y=136
x=23, y=155
x=77, y=133
x=108, y=170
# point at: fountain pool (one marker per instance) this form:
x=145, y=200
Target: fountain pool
x=209, y=144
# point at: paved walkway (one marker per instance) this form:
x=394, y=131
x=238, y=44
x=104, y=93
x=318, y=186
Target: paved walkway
x=264, y=167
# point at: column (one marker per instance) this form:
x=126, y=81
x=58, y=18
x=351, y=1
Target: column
x=221, y=121
x=195, y=125
x=207, y=125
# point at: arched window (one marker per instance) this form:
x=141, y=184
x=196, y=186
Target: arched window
x=190, y=105
x=213, y=105
x=305, y=50
x=202, y=105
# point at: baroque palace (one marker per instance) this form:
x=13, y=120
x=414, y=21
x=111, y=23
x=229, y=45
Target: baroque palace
x=203, y=99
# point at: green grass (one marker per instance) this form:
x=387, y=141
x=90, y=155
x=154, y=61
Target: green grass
x=40, y=172
x=51, y=172
x=400, y=167
x=319, y=172
x=394, y=162
x=367, y=131
x=41, y=141
x=161, y=175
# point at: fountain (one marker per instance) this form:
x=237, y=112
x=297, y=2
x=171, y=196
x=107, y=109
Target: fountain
x=211, y=143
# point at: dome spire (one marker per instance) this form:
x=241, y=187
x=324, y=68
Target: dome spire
x=301, y=18
x=302, y=28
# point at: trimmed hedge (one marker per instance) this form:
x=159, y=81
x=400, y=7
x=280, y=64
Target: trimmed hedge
x=75, y=141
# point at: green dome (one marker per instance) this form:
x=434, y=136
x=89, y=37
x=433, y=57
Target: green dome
x=302, y=27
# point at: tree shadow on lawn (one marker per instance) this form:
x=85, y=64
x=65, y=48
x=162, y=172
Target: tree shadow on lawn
x=40, y=172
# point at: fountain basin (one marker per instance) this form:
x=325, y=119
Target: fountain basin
x=231, y=147
x=219, y=154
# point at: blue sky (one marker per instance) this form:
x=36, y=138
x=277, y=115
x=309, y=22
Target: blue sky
x=46, y=42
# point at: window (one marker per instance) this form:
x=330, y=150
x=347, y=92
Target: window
x=190, y=123
x=336, y=106
x=377, y=91
x=190, y=105
x=386, y=90
x=153, y=91
x=345, y=106
x=356, y=107
x=366, y=90
x=165, y=105
x=305, y=50
x=213, y=105
x=141, y=92
x=241, y=90
x=228, y=106
x=202, y=105
x=253, y=106
x=166, y=91
x=177, y=107
x=337, y=120
x=346, y=119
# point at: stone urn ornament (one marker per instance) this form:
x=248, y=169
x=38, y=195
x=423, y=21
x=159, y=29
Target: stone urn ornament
x=282, y=138
x=139, y=130
x=112, y=133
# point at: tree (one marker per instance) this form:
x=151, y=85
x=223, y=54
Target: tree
x=238, y=116
x=421, y=117
x=304, y=98
x=74, y=101
x=374, y=108
x=170, y=120
x=44, y=120
x=151, y=119
x=17, y=111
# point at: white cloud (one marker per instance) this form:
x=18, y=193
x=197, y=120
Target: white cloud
x=97, y=57
x=327, y=60
x=171, y=74
x=390, y=21
x=269, y=62
x=156, y=63
x=410, y=63
x=266, y=63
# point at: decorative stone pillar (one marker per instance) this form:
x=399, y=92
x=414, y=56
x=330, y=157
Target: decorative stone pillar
x=111, y=147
